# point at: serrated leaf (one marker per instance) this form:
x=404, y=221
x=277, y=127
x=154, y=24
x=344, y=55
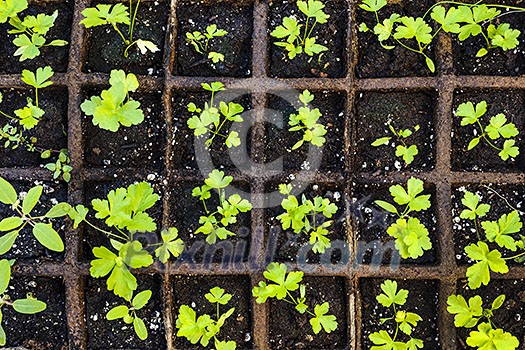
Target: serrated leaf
x=391, y=295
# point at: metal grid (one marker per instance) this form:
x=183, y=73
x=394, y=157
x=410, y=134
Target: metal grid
x=447, y=272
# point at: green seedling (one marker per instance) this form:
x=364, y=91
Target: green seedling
x=497, y=129
x=29, y=305
x=201, y=42
x=210, y=120
x=214, y=224
x=129, y=313
x=30, y=31
x=114, y=107
x=116, y=15
x=405, y=321
x=61, y=167
x=281, y=288
x=407, y=152
x=298, y=39
x=411, y=235
x=306, y=121
x=304, y=217
x=204, y=328
x=487, y=336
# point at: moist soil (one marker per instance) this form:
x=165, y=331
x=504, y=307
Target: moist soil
x=332, y=35
x=422, y=300
x=191, y=291
x=374, y=110
x=291, y=330
x=236, y=17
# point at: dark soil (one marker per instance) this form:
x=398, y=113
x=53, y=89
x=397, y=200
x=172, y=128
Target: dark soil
x=371, y=223
x=331, y=64
x=291, y=330
x=53, y=56
x=138, y=146
x=236, y=17
x=43, y=331
x=279, y=141
x=104, y=334
x=404, y=110
x=483, y=157
x=422, y=300
x=374, y=61
x=191, y=290
x=185, y=213
x=104, y=48
x=51, y=131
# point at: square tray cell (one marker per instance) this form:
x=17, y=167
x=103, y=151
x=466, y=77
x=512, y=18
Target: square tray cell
x=374, y=61
x=293, y=330
x=104, y=49
x=503, y=199
x=374, y=245
x=191, y=290
x=51, y=131
x=403, y=110
x=137, y=146
x=331, y=64
x=236, y=17
x=56, y=57
x=484, y=157
x=44, y=330
x=423, y=299
x=330, y=158
x=189, y=151
x=185, y=212
x=288, y=246
x=103, y=334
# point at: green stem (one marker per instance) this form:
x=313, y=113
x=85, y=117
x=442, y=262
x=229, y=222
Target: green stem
x=515, y=256
x=133, y=20
x=126, y=50
x=111, y=234
x=121, y=35
x=500, y=196
x=8, y=116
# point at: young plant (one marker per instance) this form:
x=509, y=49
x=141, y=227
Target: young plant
x=407, y=152
x=30, y=31
x=411, y=235
x=210, y=120
x=304, y=218
x=487, y=336
x=281, y=288
x=298, y=39
x=201, y=42
x=205, y=328
x=129, y=313
x=497, y=129
x=214, y=224
x=306, y=121
x=29, y=305
x=405, y=321
x=115, y=107
x=115, y=15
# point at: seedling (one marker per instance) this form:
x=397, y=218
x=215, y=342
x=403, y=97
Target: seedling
x=411, y=235
x=31, y=31
x=306, y=121
x=210, y=120
x=214, y=224
x=281, y=289
x=304, y=218
x=407, y=152
x=497, y=129
x=115, y=15
x=405, y=321
x=129, y=314
x=298, y=39
x=115, y=107
x=487, y=336
x=205, y=328
x=201, y=42
x=29, y=305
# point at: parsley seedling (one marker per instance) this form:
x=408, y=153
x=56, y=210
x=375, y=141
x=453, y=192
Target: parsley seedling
x=306, y=121
x=129, y=314
x=281, y=288
x=407, y=152
x=405, y=321
x=201, y=42
x=411, y=235
x=205, y=328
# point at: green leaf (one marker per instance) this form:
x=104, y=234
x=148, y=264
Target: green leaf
x=407, y=321
x=11, y=8
x=29, y=115
x=140, y=328
x=471, y=201
x=314, y=8
x=276, y=272
x=104, y=14
x=8, y=194
x=479, y=273
x=31, y=199
x=373, y=5
x=290, y=29
x=411, y=237
x=407, y=153
x=500, y=231
x=387, y=206
x=466, y=315
x=383, y=341
x=140, y=300
x=104, y=264
x=414, y=28
x=233, y=139
x=503, y=36
x=117, y=312
x=192, y=328
x=323, y=321
x=487, y=338
x=217, y=180
x=509, y=150
x=28, y=48
x=498, y=127
x=469, y=114
x=171, y=244
x=410, y=197
x=29, y=306
x=391, y=295
x=430, y=64
x=217, y=295
x=448, y=20
x=128, y=82
x=5, y=275
x=7, y=241
x=58, y=210
x=225, y=345
x=10, y=223
x=498, y=302
x=381, y=141
x=384, y=30
x=46, y=235
x=40, y=79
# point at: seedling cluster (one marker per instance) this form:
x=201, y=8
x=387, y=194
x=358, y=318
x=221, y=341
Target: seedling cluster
x=306, y=121
x=403, y=150
x=201, y=42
